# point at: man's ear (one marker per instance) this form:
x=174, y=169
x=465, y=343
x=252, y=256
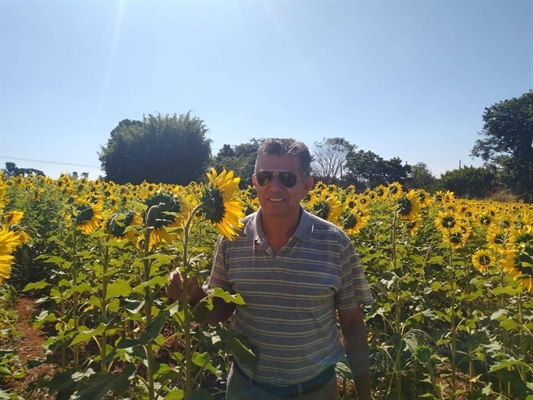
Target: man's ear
x=254, y=181
x=308, y=184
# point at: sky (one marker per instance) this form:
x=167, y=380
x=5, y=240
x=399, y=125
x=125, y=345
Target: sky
x=407, y=79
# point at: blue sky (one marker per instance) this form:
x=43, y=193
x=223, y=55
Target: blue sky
x=406, y=79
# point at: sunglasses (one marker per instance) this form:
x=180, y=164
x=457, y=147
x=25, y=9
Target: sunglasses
x=287, y=178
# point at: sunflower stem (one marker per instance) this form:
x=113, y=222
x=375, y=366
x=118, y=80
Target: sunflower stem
x=75, y=348
x=451, y=277
x=187, y=317
x=103, y=305
x=148, y=316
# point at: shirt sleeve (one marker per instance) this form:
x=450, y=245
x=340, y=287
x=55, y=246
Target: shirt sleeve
x=354, y=287
x=219, y=272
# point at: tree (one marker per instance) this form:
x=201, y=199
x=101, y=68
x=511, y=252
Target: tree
x=421, y=177
x=11, y=169
x=508, y=142
x=469, y=182
x=166, y=149
x=366, y=169
x=329, y=157
x=240, y=159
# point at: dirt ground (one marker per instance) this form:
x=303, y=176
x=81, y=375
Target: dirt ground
x=29, y=346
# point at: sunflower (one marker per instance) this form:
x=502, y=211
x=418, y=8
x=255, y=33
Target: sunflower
x=217, y=203
x=164, y=216
x=482, y=259
x=324, y=205
x=147, y=189
x=395, y=190
x=438, y=197
x=12, y=217
x=521, y=237
x=412, y=226
x=519, y=264
x=424, y=197
x=353, y=220
x=448, y=197
x=408, y=205
x=9, y=241
x=86, y=216
x=381, y=191
x=485, y=219
x=117, y=224
x=497, y=239
x=445, y=220
x=456, y=237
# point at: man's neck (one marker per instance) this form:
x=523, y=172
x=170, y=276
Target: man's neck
x=279, y=229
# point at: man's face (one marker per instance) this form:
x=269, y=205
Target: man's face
x=277, y=200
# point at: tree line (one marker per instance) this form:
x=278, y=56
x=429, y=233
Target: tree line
x=175, y=149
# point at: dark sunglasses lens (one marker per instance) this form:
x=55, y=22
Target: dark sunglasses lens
x=287, y=178
x=264, y=177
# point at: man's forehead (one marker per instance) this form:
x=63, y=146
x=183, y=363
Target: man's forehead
x=283, y=160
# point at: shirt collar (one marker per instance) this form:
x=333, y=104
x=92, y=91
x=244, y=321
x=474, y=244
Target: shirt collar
x=254, y=229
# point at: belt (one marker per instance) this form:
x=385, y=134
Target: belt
x=295, y=390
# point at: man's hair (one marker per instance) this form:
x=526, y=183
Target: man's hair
x=281, y=147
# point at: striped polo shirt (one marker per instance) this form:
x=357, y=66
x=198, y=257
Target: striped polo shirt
x=291, y=297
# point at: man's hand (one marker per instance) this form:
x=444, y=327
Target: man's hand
x=175, y=288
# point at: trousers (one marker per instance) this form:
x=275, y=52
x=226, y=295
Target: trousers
x=240, y=387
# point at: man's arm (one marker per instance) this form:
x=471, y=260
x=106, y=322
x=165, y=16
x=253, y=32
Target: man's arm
x=221, y=310
x=356, y=346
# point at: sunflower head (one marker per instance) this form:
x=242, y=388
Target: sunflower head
x=164, y=211
x=445, y=220
x=519, y=264
x=483, y=259
x=408, y=206
x=86, y=216
x=117, y=224
x=352, y=221
x=395, y=190
x=217, y=203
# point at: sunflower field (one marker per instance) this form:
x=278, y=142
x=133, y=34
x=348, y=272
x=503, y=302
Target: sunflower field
x=452, y=281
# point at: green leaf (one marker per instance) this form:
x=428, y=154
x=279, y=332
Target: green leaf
x=509, y=324
x=87, y=334
x=202, y=394
x=509, y=290
x=98, y=385
x=498, y=314
x=35, y=285
x=151, y=332
x=203, y=360
x=82, y=288
x=175, y=394
x=118, y=288
x=242, y=353
x=507, y=364
x=154, y=282
x=227, y=297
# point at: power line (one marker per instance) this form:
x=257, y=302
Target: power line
x=49, y=162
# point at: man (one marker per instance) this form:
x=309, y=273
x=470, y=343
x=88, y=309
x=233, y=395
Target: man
x=294, y=270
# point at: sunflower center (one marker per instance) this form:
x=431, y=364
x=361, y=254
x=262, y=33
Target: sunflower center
x=485, y=220
x=484, y=260
x=85, y=214
x=524, y=239
x=448, y=222
x=404, y=206
x=118, y=224
x=499, y=239
x=350, y=221
x=159, y=205
x=213, y=205
x=321, y=209
x=456, y=238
